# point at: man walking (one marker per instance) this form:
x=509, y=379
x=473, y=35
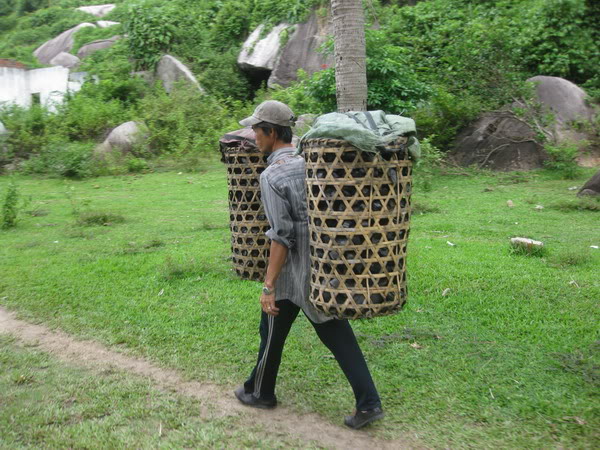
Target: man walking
x=286, y=286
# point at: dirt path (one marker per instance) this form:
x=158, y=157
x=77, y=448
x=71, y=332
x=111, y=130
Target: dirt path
x=219, y=401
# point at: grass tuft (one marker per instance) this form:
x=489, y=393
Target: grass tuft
x=580, y=204
x=423, y=208
x=22, y=379
x=571, y=257
x=95, y=218
x=180, y=269
x=38, y=212
x=580, y=364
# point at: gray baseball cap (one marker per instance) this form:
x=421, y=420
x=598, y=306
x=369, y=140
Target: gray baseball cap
x=271, y=111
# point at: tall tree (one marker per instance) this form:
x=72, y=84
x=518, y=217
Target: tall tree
x=350, y=55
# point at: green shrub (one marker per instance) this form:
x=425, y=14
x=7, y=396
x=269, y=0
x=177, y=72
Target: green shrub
x=10, y=206
x=444, y=115
x=150, y=28
x=562, y=39
x=89, y=113
x=136, y=165
x=230, y=24
x=427, y=166
x=185, y=121
x=28, y=130
x=562, y=159
x=220, y=75
x=71, y=160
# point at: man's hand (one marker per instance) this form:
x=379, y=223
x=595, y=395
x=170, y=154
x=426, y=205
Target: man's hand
x=267, y=302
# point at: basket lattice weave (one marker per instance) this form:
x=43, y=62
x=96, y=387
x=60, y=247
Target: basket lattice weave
x=248, y=223
x=359, y=216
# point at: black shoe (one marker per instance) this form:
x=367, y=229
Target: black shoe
x=253, y=401
x=362, y=418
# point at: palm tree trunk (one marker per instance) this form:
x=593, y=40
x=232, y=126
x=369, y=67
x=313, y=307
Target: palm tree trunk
x=350, y=55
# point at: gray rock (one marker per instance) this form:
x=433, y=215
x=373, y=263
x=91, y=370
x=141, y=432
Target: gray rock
x=3, y=129
x=261, y=54
x=169, y=70
x=123, y=139
x=107, y=23
x=564, y=99
x=499, y=141
x=92, y=47
x=592, y=187
x=65, y=59
x=98, y=10
x=568, y=105
x=300, y=52
x=61, y=43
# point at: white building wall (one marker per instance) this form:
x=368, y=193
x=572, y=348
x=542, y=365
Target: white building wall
x=52, y=84
x=14, y=87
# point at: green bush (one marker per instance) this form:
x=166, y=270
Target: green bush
x=444, y=115
x=28, y=130
x=230, y=24
x=10, y=206
x=221, y=76
x=90, y=113
x=70, y=160
x=185, y=121
x=136, y=165
x=150, y=28
x=562, y=39
x=427, y=166
x=562, y=159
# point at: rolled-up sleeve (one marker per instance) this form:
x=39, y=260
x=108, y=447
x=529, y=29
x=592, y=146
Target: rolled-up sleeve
x=278, y=211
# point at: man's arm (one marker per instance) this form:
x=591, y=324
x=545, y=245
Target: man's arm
x=277, y=256
x=281, y=234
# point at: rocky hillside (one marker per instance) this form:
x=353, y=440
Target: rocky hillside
x=444, y=62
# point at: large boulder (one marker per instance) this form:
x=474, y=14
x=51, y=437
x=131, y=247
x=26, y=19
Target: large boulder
x=565, y=100
x=65, y=59
x=123, y=139
x=169, y=70
x=499, y=141
x=592, y=187
x=92, y=47
x=98, y=10
x=61, y=43
x=300, y=52
x=570, y=110
x=261, y=54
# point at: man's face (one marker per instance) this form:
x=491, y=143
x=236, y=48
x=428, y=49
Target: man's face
x=264, y=142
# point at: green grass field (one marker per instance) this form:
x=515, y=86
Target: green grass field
x=46, y=404
x=494, y=349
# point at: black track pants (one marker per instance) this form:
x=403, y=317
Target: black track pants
x=339, y=338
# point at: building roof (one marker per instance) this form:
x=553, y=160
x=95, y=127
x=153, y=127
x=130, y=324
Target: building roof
x=12, y=64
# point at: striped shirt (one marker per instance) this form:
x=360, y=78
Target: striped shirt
x=283, y=190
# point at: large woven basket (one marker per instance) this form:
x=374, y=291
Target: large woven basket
x=359, y=215
x=248, y=223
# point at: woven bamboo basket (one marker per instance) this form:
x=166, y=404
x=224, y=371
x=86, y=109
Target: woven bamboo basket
x=359, y=216
x=248, y=223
